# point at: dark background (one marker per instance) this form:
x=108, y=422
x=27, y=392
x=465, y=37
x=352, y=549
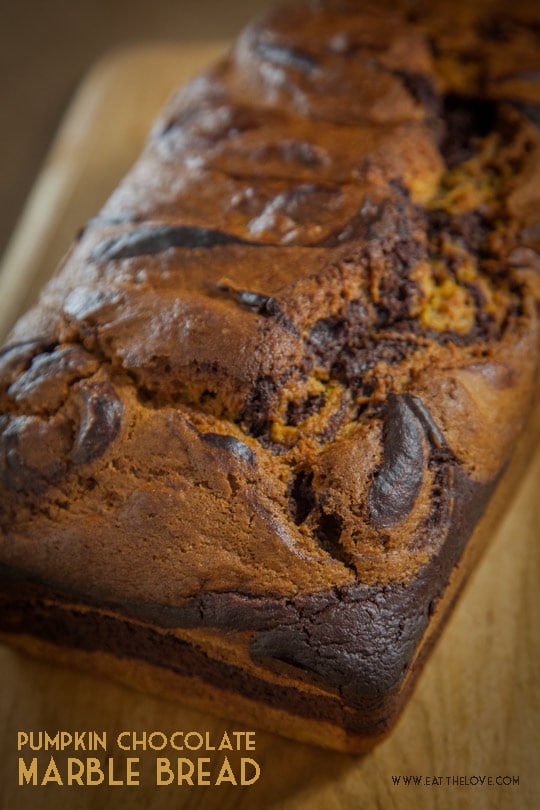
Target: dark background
x=46, y=46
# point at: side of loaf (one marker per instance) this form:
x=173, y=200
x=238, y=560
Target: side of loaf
x=256, y=433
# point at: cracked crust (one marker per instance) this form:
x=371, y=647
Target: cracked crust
x=277, y=379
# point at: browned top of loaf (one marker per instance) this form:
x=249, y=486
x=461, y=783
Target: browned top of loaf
x=309, y=305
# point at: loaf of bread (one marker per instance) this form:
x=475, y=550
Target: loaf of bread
x=256, y=431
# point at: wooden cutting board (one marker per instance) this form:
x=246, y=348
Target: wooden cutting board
x=476, y=710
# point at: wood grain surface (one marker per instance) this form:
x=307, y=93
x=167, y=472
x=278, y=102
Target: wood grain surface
x=476, y=710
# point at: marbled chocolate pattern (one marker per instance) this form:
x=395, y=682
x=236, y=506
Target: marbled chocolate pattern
x=274, y=383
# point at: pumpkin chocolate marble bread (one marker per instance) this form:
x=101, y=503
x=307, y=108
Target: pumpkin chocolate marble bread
x=256, y=429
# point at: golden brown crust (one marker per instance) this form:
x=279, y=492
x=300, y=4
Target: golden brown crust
x=285, y=367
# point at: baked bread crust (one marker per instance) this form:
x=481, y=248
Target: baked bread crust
x=259, y=412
